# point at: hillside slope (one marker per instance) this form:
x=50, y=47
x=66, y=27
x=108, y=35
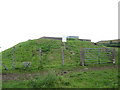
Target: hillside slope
x=51, y=53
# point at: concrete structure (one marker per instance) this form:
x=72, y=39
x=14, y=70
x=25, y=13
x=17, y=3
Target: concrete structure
x=74, y=37
x=60, y=38
x=56, y=38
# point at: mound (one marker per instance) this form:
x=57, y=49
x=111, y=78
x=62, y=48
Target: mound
x=29, y=51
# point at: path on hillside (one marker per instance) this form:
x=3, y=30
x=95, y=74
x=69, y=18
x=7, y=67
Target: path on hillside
x=15, y=76
x=88, y=69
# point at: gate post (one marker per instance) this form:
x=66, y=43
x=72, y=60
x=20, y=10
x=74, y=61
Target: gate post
x=62, y=56
x=82, y=54
x=98, y=55
x=113, y=56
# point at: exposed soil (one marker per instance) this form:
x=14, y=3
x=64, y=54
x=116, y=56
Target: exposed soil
x=14, y=76
x=88, y=69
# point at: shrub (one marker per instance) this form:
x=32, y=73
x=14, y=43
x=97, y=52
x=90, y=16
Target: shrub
x=46, y=81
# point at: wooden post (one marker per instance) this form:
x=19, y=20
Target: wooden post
x=98, y=56
x=62, y=56
x=113, y=56
x=13, y=58
x=64, y=39
x=40, y=58
x=82, y=56
x=64, y=45
x=40, y=54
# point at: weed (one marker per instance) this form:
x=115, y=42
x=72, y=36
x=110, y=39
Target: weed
x=46, y=81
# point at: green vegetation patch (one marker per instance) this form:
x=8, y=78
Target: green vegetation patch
x=51, y=57
x=107, y=78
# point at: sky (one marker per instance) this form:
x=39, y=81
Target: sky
x=21, y=20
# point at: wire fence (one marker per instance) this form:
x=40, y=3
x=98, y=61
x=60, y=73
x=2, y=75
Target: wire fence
x=60, y=57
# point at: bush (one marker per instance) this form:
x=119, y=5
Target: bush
x=46, y=81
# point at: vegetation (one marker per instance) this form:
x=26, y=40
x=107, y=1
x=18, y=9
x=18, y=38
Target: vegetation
x=107, y=78
x=110, y=43
x=46, y=81
x=50, y=60
x=51, y=53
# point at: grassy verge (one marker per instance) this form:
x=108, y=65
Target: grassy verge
x=107, y=78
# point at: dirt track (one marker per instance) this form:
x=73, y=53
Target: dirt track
x=8, y=76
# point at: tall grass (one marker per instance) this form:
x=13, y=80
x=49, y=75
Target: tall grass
x=107, y=78
x=46, y=81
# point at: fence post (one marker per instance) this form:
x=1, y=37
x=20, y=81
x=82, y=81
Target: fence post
x=13, y=58
x=82, y=54
x=64, y=45
x=98, y=55
x=40, y=58
x=62, y=56
x=113, y=56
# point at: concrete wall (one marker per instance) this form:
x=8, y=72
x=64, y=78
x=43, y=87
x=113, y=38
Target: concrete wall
x=60, y=38
x=56, y=38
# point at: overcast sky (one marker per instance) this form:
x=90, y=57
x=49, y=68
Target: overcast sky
x=21, y=20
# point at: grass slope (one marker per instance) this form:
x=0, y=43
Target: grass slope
x=51, y=61
x=107, y=78
x=51, y=56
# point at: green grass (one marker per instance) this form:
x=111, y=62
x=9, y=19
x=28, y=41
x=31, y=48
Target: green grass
x=51, y=61
x=51, y=56
x=14, y=84
x=45, y=81
x=107, y=78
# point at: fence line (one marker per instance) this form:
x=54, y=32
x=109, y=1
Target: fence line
x=87, y=56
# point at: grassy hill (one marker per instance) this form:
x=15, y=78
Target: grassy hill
x=46, y=71
x=51, y=53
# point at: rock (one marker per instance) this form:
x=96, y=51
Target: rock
x=85, y=68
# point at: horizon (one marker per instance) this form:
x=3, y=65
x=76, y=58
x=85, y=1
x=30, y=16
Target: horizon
x=2, y=49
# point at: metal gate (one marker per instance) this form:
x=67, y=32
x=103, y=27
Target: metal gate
x=97, y=56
